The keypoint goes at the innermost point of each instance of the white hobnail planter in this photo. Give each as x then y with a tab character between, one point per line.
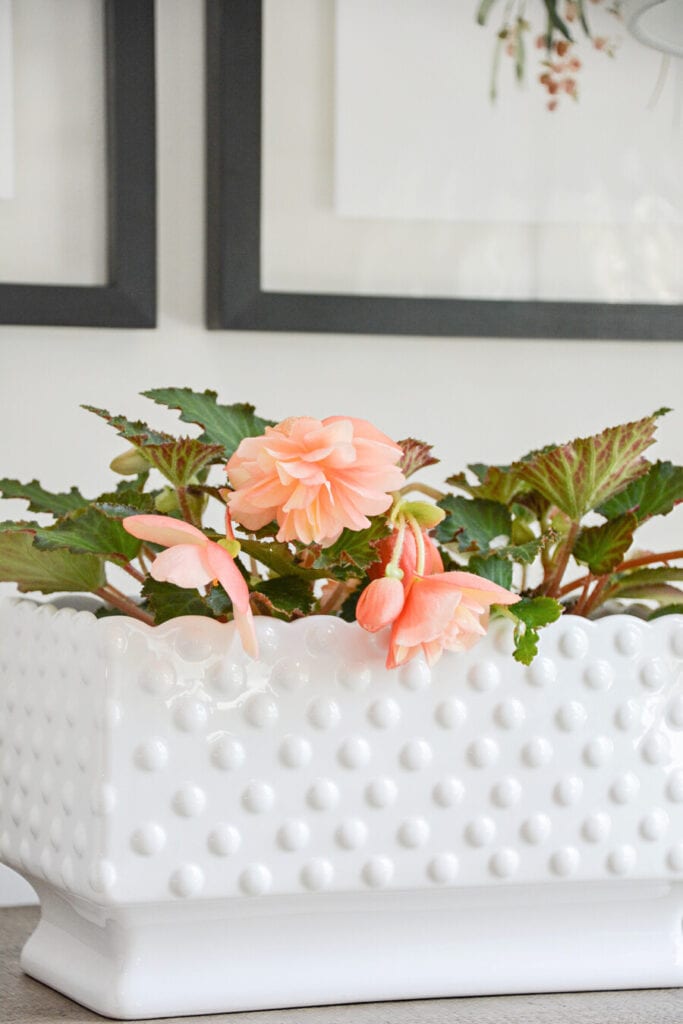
207	833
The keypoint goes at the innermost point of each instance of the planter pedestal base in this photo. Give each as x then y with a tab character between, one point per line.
194	957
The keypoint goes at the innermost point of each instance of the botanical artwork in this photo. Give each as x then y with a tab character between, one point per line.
6	103
330	517
561	31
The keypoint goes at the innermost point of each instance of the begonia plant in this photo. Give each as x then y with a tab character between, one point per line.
328	517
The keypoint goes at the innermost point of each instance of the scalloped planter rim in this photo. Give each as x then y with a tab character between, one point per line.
207	833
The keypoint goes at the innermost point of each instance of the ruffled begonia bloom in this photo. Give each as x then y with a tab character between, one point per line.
192	560
446	610
314	477
408	558
380	603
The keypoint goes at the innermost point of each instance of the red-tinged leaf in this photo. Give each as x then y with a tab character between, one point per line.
135	431
180	461
585	473
495	483
603	547
416	455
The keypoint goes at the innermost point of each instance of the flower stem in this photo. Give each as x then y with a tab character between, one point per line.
431	492
143	554
132	571
398	549
419	544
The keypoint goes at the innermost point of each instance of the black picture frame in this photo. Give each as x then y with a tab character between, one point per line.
235	299
129	297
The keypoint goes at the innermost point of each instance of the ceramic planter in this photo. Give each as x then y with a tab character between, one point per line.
207	833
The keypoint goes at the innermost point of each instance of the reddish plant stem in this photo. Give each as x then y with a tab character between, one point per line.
132	571
337	596
631	563
551	585
581	601
595	596
430	492
143	554
117	600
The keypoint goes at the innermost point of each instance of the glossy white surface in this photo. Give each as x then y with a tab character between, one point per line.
163	787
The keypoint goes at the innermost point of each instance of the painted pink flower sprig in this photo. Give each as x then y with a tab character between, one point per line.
249	517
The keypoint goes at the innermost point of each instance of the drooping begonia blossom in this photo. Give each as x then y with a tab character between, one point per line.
445	610
314	478
193	560
380	603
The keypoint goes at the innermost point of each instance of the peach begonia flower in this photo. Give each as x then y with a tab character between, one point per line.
314	477
192	560
446	610
380	603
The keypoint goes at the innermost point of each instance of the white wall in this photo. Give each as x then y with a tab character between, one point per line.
476	400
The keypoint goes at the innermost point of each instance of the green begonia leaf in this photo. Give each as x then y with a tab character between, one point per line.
355	548
537	611
472	522
225	425
46	571
671	609
653	494
287	597
532	613
90	531
40	500
492	567
603	547
278	557
167	601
